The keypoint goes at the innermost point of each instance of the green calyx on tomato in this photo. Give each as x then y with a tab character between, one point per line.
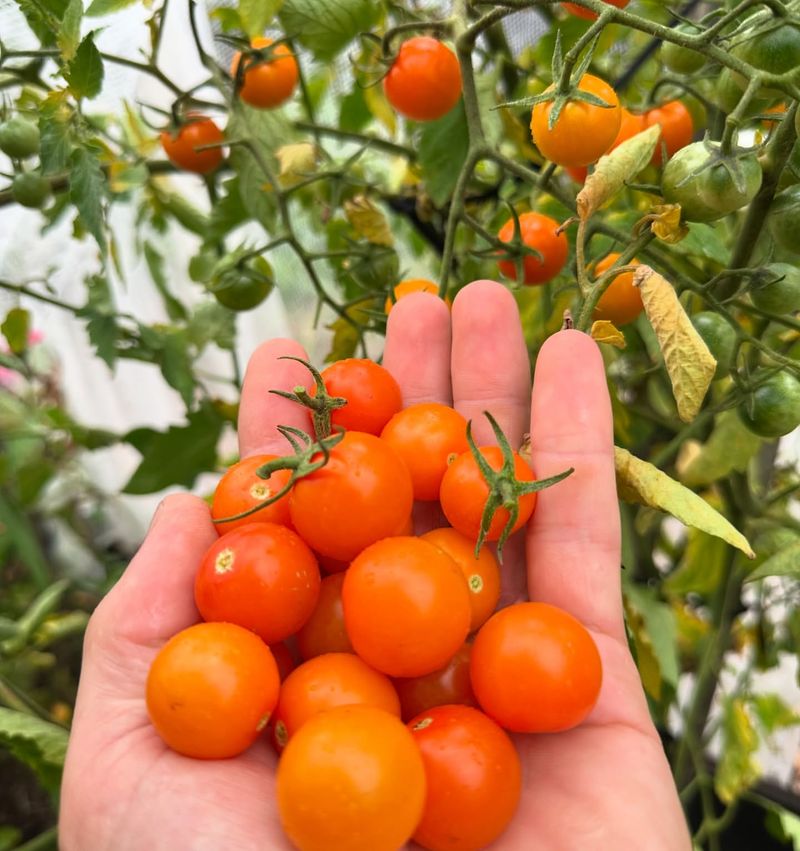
784	219
776	289
719	336
19	138
773	408
680	59
321	404
30	189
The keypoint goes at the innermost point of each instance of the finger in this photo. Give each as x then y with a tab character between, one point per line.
261	412
490	366
574	536
417	349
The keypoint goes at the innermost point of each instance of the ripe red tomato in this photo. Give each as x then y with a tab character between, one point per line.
351	775
583	132
621	303
450	684
411	285
630	124
588	13
240	489
181	145
327	681
427	436
535	669
677	127
464	493
283	659
324	631
473	776
211	689
538	232
361	495
262	577
406	607
424	82
482	574
266	85
373	396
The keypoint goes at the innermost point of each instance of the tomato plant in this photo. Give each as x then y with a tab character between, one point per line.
240	490
19	137
539	233
719	336
773	408
780	291
270	82
183	144
588	13
30	189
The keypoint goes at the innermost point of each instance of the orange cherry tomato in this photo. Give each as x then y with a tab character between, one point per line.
630	124
464	493
538	232
411	285
324	631
406	607
482	573
473	776
621	303
450	684
240	489
211	689
283	659
262	577
588	13
373	395
677	127
181	146
424	82
351	779
583	132
361	495
327	681
535	669
266	85
427	436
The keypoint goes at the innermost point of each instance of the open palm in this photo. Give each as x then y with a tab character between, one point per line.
605	785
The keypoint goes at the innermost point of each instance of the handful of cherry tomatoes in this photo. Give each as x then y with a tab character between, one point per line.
389	685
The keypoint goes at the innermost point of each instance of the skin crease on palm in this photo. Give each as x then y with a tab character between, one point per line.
605	785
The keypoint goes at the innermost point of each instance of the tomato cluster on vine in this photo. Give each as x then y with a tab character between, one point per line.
333	629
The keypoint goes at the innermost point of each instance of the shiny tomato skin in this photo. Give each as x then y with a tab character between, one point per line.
262	577
630	125
351	779
406	607
539	232
588	13
181	146
240	489
473	777
266	85
364	493
427	436
324	631
622	302
373	395
211	689
424	82
677	128
449	685
464	493
411	285
325	682
535	669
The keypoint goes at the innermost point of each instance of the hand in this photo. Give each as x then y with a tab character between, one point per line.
604	785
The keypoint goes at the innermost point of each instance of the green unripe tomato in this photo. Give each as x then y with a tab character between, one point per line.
19	138
680	184
732	184
30	189
243	287
784	219
775	50
726	94
719	336
679	59
781	292
773	409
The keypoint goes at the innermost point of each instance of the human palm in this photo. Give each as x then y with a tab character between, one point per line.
605	785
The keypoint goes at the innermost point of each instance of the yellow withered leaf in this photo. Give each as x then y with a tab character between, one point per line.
615	169
296	161
604	331
368	221
641	482
690	365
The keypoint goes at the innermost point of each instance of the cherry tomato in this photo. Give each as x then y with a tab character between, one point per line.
535	669
464	493
324	631
482	573
262	577
621	303
424	82
588	13
720	338
30	189
450	684
373	396
351	779
211	689
240	489
266	85
283	659
773	408
19	137
406	607
473	776
427	436
677	128
538	232
181	145
630	125
583	132
361	495
327	681
411	285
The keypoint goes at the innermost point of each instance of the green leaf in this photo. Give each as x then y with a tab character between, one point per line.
659	623
729	447
354	114
56	141
212	323
87	186
772	712
16	327
69	33
737	771
701	567
98	8
44	18
325	27
85	72
103	334
9	837
443	146
21	535
41	745
256	14
227	213
786	562
176	365
155	263
703	241
176	456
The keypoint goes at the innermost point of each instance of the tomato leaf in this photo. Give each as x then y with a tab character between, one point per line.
325	27
42	746
15	328
368	221
255	15
785	562
737	770
443	146
85	72
212	323
660	628
155	263
87	185
701	567
69	33
729	447
99	8
55	133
